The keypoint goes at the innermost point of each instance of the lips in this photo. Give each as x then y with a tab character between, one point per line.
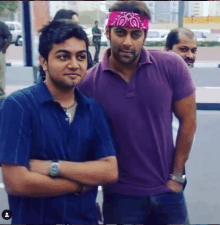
71	74
189	61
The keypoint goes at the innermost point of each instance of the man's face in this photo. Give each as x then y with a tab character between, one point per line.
186	48
126	43
66	65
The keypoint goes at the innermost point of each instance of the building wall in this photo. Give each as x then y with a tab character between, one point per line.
197	8
40	14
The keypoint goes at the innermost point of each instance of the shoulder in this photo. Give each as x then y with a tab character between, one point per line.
19	98
165	57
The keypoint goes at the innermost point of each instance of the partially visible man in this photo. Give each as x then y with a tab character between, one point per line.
54	141
97	34
5	40
67	14
140	89
183	42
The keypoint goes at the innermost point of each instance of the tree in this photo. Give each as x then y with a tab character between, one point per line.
12	6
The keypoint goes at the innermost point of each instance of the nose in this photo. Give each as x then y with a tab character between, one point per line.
127	41
73	63
189	54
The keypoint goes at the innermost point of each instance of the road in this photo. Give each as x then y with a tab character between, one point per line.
212	54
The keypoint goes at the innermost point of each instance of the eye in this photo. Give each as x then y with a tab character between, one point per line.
81	57
63	57
194	50
119	33
136	35
183	49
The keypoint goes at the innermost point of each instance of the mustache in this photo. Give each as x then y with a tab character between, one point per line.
126	49
189	60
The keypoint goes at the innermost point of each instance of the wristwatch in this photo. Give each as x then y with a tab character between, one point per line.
54	170
178	178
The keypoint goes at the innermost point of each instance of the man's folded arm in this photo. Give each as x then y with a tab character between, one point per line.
20	181
97	172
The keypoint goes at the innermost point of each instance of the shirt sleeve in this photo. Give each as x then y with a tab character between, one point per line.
102	139
15	133
181	80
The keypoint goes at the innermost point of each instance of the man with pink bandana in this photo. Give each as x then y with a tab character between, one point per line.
140	90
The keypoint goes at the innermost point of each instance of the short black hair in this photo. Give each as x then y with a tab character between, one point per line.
131	6
64	14
173	36
57	32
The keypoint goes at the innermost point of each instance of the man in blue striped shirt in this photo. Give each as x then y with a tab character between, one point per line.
54	141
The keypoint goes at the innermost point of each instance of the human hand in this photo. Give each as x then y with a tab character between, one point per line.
175	186
86	188
39	166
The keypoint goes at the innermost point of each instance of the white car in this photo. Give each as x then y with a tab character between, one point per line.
200	36
15	30
156	36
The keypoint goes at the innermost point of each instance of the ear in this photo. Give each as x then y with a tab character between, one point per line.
43	63
107	32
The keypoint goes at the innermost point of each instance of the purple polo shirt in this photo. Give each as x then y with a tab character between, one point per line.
141	116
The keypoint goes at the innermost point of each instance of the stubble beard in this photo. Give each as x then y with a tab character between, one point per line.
116	53
59	84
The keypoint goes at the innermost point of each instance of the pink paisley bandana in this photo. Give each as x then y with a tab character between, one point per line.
126	19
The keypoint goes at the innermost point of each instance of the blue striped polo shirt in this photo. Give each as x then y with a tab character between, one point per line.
34	126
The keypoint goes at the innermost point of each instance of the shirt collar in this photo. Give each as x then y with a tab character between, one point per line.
44	96
144	59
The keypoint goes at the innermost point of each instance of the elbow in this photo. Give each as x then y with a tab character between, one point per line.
15	188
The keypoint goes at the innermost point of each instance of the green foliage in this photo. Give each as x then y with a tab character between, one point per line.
9	5
156	44
208	44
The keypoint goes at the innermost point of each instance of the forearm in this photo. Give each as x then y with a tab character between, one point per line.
89	173
38	185
183	145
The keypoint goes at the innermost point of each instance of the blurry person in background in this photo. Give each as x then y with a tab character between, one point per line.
5	40
70	15
183	42
56	147
67	14
97	34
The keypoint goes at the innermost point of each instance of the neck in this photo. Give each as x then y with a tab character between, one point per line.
64	97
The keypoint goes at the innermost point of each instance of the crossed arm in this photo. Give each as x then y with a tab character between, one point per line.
35	182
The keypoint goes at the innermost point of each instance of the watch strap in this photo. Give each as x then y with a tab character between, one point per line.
178	178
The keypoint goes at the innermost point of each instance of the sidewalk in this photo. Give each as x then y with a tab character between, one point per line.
19	77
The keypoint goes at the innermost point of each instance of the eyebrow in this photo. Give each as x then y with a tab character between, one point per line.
187	47
68	52
121	28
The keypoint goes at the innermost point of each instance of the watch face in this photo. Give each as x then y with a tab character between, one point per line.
54	169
